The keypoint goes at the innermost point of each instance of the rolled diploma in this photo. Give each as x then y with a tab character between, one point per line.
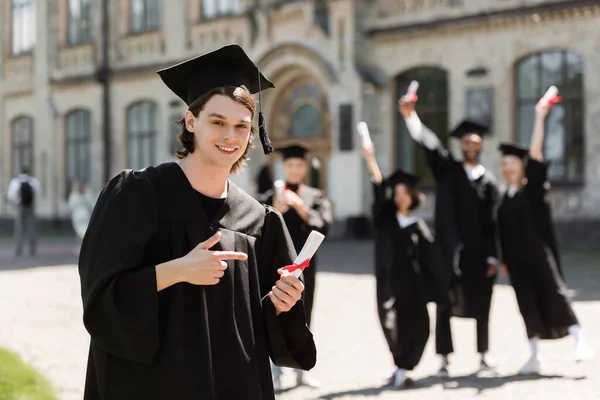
550	93
412	90
308	250
363	132
279	188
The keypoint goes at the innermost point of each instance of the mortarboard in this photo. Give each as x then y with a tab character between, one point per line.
226	66
468	126
401	177
509	149
293	151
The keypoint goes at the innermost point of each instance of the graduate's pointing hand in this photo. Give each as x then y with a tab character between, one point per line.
206	267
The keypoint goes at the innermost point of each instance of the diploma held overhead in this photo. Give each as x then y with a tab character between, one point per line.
363	132
411	93
551	96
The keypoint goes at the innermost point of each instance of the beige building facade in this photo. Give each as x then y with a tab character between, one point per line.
75	109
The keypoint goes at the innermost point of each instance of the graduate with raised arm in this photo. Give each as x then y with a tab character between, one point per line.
466	194
183	292
409	267
527	238
304	209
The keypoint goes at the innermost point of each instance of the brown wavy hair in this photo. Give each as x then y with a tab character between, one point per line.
237	94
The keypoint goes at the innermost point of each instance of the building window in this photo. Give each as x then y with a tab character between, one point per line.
22	144
78	146
145	15
215	8
142	123
564	139
23	26
80	22
306	121
433	112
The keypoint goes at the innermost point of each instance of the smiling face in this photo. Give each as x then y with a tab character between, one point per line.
222	130
513	170
402	197
471	145
295	169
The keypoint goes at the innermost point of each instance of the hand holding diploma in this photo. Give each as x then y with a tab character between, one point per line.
550	98
411	93
288	290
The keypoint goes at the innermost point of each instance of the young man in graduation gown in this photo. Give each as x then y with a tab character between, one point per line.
180	269
409	268
527	237
304	209
466	194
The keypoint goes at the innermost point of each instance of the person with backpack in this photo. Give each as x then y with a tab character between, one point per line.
22	191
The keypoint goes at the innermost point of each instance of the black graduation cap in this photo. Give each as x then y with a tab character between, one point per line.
227	66
293	151
401	177
469	126
510	149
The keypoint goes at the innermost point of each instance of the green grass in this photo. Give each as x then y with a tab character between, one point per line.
19	381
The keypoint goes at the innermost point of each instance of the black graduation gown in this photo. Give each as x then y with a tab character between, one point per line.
186	342
320	217
465	229
409	272
523	224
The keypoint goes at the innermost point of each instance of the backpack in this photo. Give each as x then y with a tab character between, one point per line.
26	194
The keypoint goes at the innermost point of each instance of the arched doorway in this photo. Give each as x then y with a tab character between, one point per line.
301	116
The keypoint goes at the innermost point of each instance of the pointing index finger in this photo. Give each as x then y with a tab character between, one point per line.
230	255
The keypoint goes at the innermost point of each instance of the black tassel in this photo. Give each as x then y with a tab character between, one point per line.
264	138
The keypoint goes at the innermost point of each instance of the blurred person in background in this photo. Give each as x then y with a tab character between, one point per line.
304	209
466	197
529	248
409	267
22	192
81	203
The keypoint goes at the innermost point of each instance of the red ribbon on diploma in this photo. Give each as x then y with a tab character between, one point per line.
293	267
553	100
414	97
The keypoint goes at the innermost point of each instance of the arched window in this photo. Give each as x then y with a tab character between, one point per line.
301	110
22	144
433	112
142	123
564	141
78	145
306	121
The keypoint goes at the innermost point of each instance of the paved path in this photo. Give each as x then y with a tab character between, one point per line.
40	317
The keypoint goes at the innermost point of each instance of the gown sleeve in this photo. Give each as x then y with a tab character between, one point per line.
381	206
489	227
431	262
291	343
320	215
119	292
438	158
537	180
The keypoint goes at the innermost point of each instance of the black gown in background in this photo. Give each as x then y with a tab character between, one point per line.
524	224
187	341
409	272
466	232
320	217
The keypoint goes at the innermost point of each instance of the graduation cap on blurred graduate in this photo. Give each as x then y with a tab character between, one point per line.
227	66
469	127
293	151
510	149
401	177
